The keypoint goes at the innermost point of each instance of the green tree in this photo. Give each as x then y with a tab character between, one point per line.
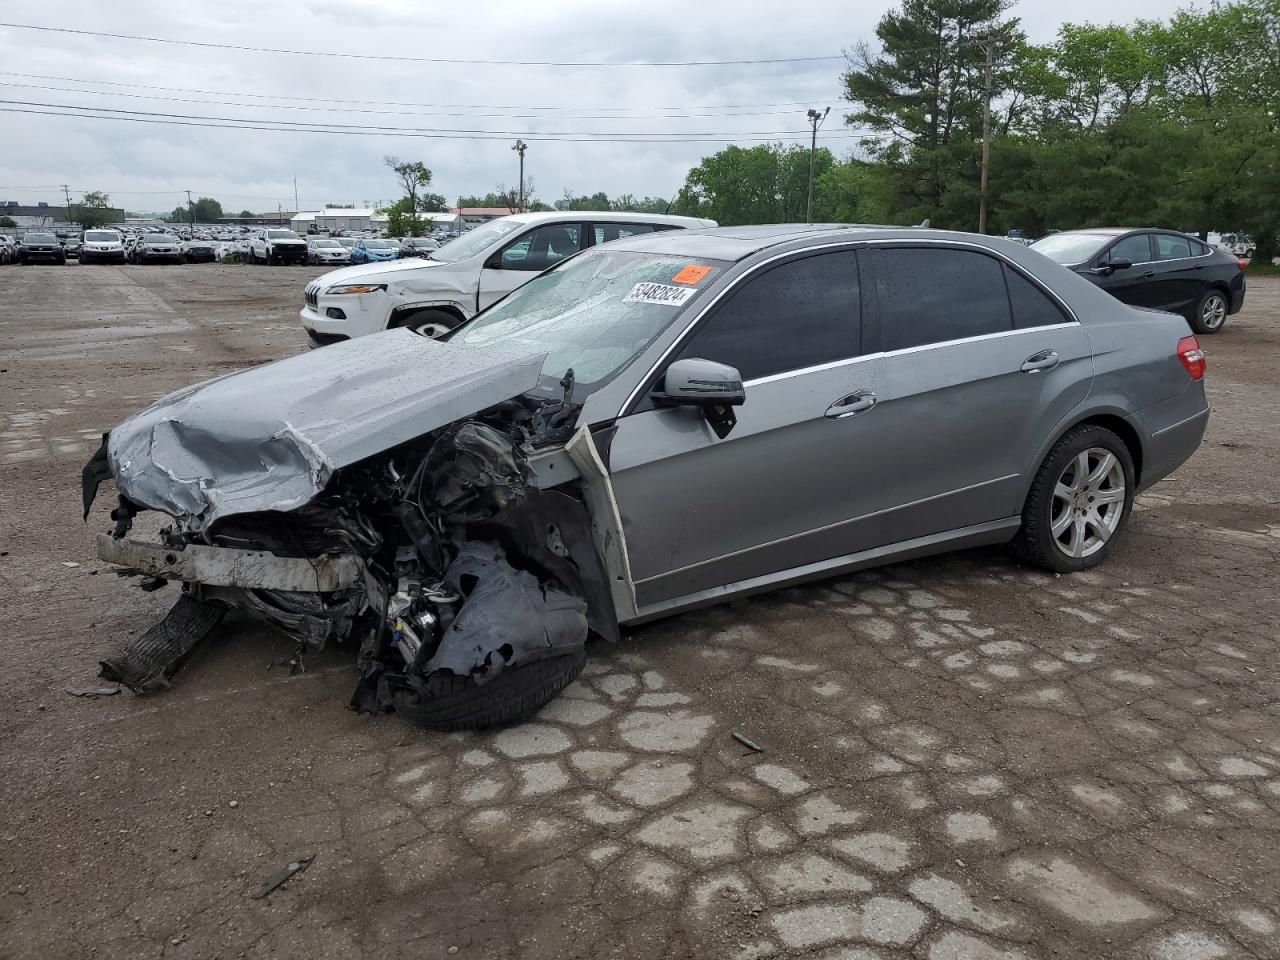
7	222
433	203
768	183
413	177
246	214
93	210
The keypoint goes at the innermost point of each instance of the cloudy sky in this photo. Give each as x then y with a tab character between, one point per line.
148	166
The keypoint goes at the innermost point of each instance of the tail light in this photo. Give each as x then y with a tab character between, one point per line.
1191	357
1243	263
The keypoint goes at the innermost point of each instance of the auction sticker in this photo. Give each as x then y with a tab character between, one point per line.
691	274
659	293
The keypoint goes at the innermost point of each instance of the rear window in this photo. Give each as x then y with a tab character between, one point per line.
1032	307
1172	248
933	295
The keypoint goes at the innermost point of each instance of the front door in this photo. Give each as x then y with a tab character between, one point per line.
1132	284
784	488
524	258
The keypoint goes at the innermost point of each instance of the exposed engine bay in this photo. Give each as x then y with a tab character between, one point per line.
465	563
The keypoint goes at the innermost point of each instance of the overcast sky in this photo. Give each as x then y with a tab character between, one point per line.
148	167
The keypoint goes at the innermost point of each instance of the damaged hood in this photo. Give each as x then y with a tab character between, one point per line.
270	437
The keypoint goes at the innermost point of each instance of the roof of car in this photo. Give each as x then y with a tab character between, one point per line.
610	216
1117	231
737	243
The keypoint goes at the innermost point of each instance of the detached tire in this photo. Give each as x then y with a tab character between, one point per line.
517	693
1079	502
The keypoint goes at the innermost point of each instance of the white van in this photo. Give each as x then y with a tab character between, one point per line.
465	275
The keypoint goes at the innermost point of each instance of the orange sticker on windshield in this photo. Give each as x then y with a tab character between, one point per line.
690	274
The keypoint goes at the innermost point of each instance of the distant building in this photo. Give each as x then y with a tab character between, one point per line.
44	215
474	215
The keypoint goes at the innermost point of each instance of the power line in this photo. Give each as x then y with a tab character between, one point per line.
441	60
398	132
478	133
400	113
391	103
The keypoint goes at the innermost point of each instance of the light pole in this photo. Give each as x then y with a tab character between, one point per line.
987	42
520	148
815	121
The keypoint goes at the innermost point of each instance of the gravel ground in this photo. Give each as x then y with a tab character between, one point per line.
965	759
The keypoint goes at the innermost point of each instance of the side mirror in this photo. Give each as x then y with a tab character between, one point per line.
1119	263
714	388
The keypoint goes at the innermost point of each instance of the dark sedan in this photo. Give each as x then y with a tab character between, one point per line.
1162	269
35	247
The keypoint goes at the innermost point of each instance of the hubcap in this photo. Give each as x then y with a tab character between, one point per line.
1088	502
1214	312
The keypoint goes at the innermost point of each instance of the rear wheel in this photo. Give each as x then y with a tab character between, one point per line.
1211	312
1079	501
451	702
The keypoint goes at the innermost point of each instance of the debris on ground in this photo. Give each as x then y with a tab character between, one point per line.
93	693
278	880
748	743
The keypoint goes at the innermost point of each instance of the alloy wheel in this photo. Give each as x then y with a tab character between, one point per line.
1088	502
1214	311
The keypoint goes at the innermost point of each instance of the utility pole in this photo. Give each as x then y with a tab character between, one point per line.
519	148
815	121
296	208
986	135
191	212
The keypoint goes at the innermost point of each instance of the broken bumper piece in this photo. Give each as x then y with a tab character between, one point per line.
149	661
228	567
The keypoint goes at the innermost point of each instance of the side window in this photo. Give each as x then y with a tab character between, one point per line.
795	315
604	232
1136	249
928	295
542	247
1199	249
1172	248
1031	305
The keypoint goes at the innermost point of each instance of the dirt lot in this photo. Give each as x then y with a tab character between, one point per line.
966	760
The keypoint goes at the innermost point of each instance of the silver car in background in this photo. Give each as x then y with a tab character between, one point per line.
655	424
322	250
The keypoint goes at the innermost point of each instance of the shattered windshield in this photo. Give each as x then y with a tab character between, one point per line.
596	313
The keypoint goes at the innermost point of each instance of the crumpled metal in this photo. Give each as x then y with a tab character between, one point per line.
269	438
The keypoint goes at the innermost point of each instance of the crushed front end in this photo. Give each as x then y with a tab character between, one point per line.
461	559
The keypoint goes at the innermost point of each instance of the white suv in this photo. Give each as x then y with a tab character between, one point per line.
464	276
105	246
277	246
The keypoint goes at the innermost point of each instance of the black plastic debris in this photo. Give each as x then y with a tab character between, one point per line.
150	660
281	877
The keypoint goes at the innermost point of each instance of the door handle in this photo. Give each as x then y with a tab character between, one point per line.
1039	362
1148	275
857	402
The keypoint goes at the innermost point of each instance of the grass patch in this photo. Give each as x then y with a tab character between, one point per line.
1262	270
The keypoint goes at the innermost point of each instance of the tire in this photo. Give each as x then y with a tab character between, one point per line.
517	693
428	323
1045	505
1210	314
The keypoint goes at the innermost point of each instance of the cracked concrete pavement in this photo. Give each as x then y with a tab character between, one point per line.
964	759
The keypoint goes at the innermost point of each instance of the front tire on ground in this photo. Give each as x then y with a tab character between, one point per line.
1211	312
1079	502
517	693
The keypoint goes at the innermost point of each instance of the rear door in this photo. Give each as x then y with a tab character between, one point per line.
1179	268
784	488
605	232
980	364
523	258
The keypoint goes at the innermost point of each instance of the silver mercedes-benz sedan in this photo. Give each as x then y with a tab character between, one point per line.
654	424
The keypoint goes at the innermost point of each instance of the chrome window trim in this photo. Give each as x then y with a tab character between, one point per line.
853	245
